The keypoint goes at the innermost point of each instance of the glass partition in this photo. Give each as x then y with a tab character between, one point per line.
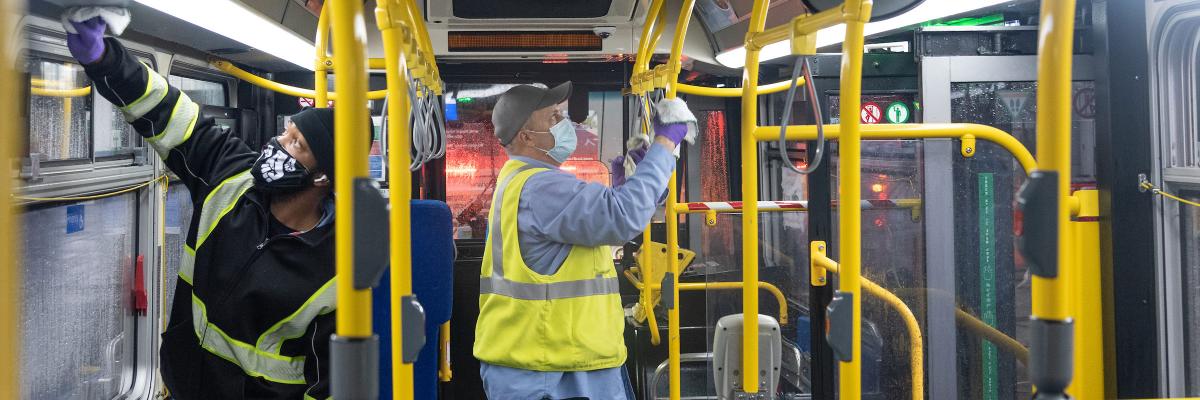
60	124
76	308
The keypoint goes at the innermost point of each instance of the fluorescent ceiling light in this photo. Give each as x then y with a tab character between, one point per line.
236	21
927	11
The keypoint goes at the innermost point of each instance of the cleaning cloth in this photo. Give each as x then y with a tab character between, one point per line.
116	18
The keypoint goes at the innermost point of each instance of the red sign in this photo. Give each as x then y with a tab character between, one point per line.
307	102
870	113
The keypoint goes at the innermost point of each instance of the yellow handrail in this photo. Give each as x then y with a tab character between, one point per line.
1052	284
229	68
749	177
704	286
911	131
993	335
76	92
354	305
444	371
915	342
389	16
735	92
323	62
10	225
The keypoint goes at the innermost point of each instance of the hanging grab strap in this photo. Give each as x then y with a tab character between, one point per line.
802	61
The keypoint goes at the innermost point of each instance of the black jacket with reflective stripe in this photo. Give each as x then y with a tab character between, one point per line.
253	317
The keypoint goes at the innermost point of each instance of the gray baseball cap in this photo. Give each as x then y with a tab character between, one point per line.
517	104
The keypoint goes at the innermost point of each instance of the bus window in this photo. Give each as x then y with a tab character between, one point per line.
77	317
203	92
60	128
114	137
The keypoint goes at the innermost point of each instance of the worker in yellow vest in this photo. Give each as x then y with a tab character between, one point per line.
550	319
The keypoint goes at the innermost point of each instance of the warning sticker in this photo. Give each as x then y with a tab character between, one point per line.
897	112
870	113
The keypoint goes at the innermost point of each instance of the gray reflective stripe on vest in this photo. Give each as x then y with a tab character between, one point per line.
187	264
179	126
253	362
497	243
548	291
220	201
324	301
156	90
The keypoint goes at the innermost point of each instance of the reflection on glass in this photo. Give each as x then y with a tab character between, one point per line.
114	136
200	91
178	215
78	268
59	127
1189	230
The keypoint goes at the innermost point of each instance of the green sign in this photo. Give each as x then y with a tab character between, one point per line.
897	113
987	280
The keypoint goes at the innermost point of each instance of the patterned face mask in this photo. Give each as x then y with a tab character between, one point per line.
276	171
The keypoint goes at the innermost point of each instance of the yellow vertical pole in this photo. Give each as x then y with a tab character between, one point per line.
349	37
1051	353
321	70
749	178
649	36
1054	138
856	14
1087	300
685	16
10	245
387	14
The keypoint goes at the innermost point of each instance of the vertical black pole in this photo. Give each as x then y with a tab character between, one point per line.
820	227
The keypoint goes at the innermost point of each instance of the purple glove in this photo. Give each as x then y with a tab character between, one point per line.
87	46
674	132
617	166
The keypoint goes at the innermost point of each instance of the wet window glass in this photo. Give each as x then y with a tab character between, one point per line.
76	315
60	107
201	91
178	215
114	137
1189	230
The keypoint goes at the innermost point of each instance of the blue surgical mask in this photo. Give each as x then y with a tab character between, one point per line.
564	141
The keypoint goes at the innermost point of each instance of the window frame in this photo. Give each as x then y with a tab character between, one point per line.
79	176
191	68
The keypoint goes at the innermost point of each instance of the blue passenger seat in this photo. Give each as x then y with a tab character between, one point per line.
433	283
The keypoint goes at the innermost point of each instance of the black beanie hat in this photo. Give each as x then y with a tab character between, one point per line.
316	124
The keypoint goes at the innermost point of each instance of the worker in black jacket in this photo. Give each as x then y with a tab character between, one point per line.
254	307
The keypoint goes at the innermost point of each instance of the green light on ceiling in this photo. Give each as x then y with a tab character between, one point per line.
991	19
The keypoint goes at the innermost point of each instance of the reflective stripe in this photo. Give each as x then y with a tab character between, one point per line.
156	90
494	220
187	264
322	302
179	127
220	201
548	291
272	367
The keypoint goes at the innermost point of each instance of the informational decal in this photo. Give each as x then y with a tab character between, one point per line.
74	218
897	113
870	113
987	280
1014	102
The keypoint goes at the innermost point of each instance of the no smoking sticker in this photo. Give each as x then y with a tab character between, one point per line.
897	113
870	113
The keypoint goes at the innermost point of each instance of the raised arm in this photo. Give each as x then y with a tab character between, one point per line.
202	154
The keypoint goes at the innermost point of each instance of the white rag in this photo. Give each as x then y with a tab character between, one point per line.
116	18
637	141
675	111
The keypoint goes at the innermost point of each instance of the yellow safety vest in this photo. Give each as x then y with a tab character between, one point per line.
569	321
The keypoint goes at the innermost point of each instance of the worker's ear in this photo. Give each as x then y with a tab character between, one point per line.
321	181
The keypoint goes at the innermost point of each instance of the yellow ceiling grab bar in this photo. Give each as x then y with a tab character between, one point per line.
734	92
229	68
